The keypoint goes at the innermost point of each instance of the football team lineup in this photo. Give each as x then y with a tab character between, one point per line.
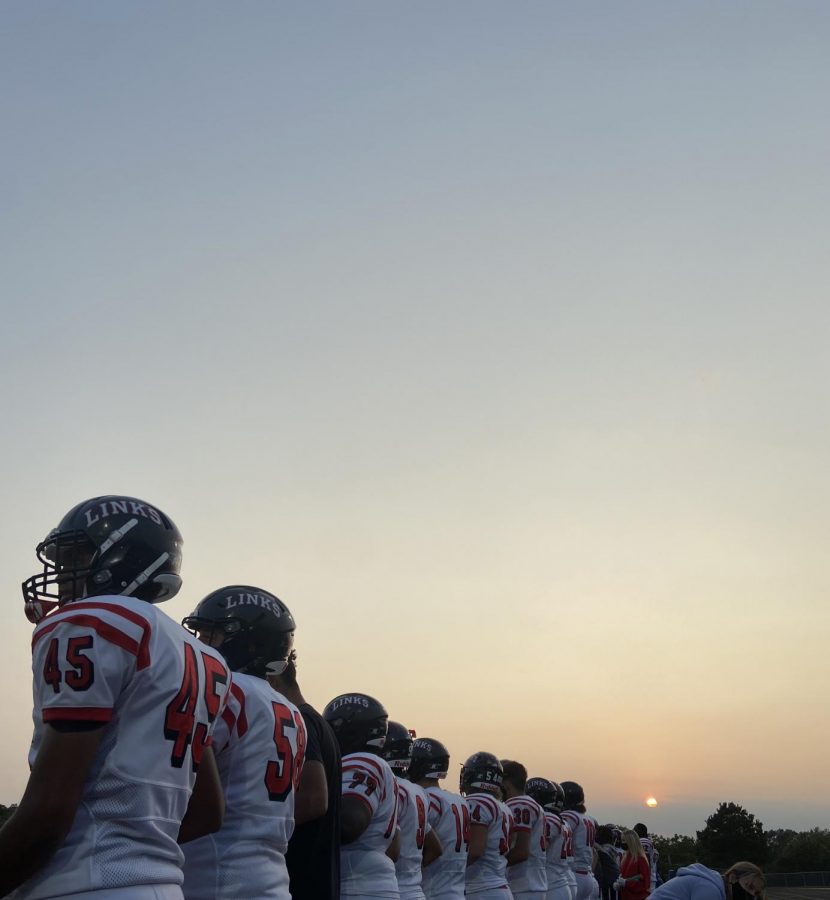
346	804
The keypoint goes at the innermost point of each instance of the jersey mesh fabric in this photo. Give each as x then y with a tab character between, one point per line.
444	879
412	820
490	869
583	828
556	860
365	869
246	857
530	874
140	665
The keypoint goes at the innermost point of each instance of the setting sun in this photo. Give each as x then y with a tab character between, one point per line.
651	802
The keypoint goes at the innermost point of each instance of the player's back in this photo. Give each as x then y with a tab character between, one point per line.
158	691
490	869
365	869
529	875
583	827
259	745
556	859
445	878
412	819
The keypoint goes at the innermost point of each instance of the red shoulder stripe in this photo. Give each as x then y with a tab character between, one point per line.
103	629
368	761
242	718
143	646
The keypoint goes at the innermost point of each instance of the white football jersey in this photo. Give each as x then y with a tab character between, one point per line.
529	817
260	746
160	692
558	835
365	869
490	869
412	819
568	850
450	820
583	828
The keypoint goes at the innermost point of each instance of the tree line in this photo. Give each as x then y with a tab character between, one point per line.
732	833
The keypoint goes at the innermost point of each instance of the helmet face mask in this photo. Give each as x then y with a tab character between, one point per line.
107	545
249	626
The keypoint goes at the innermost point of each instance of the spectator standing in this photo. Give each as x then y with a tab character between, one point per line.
606	869
634	882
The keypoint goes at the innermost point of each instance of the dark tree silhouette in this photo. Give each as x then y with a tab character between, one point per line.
731	834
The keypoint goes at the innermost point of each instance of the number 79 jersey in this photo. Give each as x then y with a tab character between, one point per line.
259	744
158	692
365	869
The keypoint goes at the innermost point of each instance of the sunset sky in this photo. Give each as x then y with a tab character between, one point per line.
492	337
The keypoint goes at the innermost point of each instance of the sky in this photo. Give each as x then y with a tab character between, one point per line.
491	337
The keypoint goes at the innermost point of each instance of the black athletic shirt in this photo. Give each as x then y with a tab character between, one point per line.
313	855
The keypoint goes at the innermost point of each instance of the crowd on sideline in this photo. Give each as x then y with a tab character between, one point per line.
176	761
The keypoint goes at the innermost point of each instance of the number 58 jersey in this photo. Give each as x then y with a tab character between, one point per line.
259	744
158	693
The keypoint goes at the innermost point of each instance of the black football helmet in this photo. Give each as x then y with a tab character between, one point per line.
359	721
430	759
397	750
106	545
256	627
559	799
483	771
574	795
542	791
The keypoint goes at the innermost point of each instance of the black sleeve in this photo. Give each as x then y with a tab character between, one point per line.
313	750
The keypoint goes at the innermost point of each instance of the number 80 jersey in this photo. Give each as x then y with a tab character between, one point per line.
158	693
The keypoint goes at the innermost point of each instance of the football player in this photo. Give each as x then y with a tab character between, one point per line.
490	832
526	859
445	878
549	795
259	746
419	846
583	828
125	706
369	833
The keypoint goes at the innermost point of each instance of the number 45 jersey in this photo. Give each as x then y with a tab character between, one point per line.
158	693
259	744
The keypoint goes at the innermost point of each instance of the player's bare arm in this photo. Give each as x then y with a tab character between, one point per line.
312	798
393	851
355	818
206	807
478	842
432	848
520	851
41	822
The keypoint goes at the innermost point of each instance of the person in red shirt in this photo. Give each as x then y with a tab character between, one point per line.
634	882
